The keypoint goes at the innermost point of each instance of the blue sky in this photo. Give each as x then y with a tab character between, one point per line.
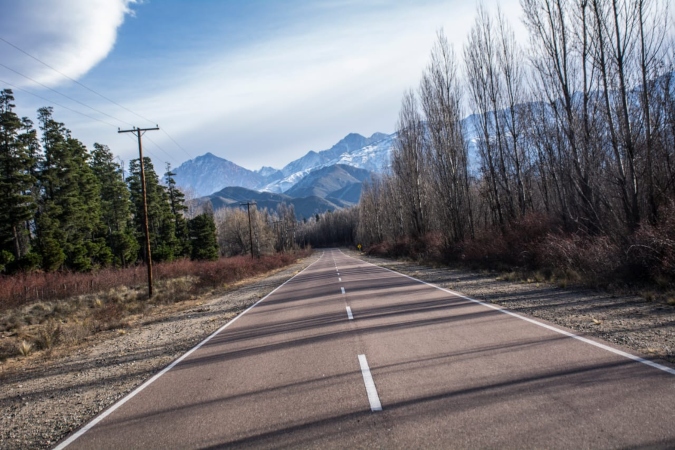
253	81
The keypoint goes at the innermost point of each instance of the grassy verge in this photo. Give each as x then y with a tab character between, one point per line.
89	304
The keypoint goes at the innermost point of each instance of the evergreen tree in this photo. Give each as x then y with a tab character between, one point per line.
203	236
163	240
69	227
115	206
16	183
178	208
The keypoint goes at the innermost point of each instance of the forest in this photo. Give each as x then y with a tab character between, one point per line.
63	207
572	169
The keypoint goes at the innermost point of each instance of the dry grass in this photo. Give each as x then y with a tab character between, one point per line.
29	325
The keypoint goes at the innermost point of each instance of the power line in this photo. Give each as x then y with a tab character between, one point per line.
83	104
177	144
157	145
57	104
74	80
64	95
146	150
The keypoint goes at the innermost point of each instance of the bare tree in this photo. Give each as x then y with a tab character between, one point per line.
448	155
409	165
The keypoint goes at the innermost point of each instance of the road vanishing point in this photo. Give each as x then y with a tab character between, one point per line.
351	355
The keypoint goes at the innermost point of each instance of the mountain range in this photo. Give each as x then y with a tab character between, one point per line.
315	183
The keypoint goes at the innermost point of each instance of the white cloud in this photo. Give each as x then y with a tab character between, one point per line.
69	35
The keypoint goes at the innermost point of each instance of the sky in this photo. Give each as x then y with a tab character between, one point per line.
257	82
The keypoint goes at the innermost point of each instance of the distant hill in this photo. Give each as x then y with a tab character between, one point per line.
341	184
305	207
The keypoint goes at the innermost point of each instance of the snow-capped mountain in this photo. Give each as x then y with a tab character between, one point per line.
208	173
372	154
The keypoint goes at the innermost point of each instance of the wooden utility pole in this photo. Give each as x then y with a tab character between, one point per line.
148	260
250	229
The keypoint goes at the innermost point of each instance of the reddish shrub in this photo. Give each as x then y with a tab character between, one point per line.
595	259
652	247
35	286
519	244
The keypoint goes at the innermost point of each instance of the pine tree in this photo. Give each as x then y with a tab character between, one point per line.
178	208
69	227
16	183
203	236
115	206
163	240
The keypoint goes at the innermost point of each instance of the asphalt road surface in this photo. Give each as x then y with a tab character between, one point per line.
351	355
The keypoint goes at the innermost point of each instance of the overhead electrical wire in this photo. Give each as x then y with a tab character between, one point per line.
146	150
57	104
66	96
177	144
90	90
158	146
74	80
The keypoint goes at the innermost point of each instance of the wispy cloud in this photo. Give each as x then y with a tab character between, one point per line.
70	35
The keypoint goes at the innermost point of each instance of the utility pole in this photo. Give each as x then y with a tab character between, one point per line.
250	229
148	261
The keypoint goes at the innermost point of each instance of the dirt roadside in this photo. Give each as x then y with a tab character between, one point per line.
43	399
638	326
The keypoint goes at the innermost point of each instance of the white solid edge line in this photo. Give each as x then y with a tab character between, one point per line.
349	313
343	290
373	398
535	322
133	393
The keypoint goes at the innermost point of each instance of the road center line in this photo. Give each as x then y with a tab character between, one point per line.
339	279
373	398
349	313
343	290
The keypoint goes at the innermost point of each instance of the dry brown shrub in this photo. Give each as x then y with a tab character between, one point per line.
591	259
652	249
48	335
8	348
517	246
109	316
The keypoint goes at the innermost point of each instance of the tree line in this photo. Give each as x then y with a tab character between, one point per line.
575	132
64	207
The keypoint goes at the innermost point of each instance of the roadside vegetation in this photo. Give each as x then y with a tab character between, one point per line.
84	305
571	176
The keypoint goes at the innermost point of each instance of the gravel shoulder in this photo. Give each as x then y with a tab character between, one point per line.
43	399
629	322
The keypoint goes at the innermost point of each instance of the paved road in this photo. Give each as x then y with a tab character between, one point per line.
350	355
